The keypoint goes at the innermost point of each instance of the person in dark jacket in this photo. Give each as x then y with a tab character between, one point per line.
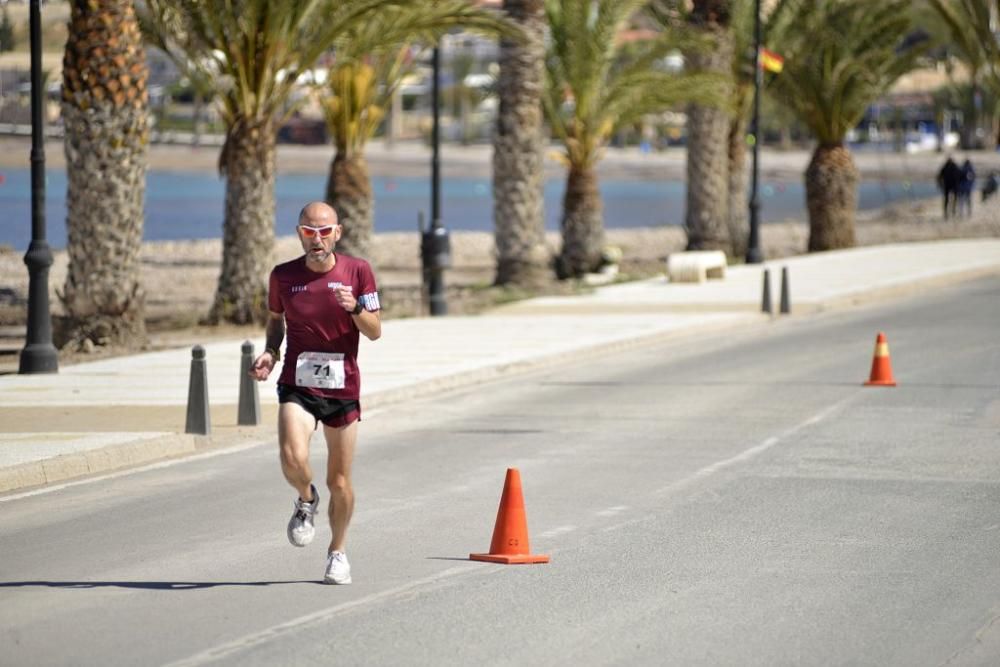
990	186
948	179
966	184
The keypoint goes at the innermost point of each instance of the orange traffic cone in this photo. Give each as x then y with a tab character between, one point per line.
881	375
510	535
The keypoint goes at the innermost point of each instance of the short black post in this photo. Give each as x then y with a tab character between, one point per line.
765	304
198	420
786	304
249	404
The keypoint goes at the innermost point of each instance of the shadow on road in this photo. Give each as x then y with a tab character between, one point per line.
150	585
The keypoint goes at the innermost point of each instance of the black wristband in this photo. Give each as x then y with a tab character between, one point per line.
274	353
357	308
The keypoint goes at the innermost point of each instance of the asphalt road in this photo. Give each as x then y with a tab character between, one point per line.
733	500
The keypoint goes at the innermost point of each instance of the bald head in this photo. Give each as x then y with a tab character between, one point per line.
317	214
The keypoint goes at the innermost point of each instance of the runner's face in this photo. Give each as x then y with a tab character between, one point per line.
318	236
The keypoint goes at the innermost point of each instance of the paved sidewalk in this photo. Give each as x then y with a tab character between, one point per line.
115	413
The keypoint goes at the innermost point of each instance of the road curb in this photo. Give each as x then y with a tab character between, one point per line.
103	459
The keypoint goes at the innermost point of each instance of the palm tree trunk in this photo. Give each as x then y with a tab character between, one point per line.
831	197
582	224
349	191
738	213
248	161
523	259
106	120
706	218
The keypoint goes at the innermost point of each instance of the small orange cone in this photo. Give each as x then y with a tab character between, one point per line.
510	535
881	375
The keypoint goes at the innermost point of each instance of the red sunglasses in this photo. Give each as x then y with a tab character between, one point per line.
322	232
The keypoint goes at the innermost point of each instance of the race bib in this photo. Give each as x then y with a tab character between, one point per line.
323	370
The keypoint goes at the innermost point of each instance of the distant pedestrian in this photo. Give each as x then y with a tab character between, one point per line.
966	185
990	185
327	300
947	180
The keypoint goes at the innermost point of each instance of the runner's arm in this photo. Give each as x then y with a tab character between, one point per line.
274	332
274	335
369	322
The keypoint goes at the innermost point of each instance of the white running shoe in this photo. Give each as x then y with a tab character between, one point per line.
300	527
338	570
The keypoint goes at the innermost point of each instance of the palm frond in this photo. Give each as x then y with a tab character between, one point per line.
373	56
969	31
839	57
596	83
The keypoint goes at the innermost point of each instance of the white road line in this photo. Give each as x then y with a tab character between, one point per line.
296	625
750	453
558	530
611	511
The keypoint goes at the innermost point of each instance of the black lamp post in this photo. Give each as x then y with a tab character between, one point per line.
436	138
754	254
39	354
436	248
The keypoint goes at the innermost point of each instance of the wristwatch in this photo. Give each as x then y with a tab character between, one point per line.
357	308
275	354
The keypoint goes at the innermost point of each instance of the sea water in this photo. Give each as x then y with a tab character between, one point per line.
189	205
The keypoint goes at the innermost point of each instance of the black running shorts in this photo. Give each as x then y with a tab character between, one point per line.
334	412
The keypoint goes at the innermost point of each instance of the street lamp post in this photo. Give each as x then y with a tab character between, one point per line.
754	254
435	244
39	354
436	138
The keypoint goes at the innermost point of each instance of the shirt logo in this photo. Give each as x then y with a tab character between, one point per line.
299	288
335	284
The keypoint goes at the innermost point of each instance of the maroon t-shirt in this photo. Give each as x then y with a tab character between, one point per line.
315	322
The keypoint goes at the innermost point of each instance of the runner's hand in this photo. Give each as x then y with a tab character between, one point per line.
345	298
262	366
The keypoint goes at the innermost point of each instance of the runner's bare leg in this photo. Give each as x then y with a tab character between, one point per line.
295	427
340	444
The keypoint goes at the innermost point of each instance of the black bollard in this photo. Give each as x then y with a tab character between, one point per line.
249	405
765	303
786	304
198	420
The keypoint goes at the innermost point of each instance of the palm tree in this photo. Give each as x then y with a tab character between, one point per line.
372	58
523	259
839	57
970	28
737	214
254	52
597	82
708	128
738	18
105	115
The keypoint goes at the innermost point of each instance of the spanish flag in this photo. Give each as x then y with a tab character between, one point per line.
770	60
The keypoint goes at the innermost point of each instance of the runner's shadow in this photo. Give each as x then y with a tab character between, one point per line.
149	585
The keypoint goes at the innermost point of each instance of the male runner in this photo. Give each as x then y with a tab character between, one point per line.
325	299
